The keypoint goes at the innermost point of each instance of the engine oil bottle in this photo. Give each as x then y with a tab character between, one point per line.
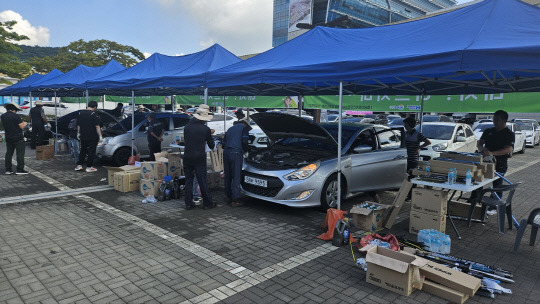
341	233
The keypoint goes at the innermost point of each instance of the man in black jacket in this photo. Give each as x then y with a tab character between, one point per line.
89	132
196	136
38	119
13	125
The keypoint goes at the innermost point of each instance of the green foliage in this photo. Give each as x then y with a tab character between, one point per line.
92	53
29	52
9	63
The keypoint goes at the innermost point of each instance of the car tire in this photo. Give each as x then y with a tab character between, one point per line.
538	142
523	149
329	193
121	156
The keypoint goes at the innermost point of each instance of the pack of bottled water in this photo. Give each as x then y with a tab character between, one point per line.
434	241
371	206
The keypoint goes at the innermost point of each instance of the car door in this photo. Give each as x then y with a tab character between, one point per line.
459	146
141	139
470	139
168	135
519	142
362	163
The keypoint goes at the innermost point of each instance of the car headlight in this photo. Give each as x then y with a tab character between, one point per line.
262	140
439	147
105	141
302	173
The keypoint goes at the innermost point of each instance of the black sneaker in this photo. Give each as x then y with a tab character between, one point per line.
9	172
21	172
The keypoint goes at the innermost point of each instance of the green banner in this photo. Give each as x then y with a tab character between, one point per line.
270	102
122	99
465	103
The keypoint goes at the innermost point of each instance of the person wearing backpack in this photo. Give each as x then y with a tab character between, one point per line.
89	133
74	145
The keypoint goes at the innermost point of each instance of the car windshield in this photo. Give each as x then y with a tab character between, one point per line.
332	117
483	127
525	126
430	119
397	121
346	131
442	132
126	123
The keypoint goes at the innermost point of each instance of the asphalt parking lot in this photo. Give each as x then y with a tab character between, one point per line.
65	237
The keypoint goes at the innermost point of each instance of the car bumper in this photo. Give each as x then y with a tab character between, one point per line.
281	191
529	141
104	152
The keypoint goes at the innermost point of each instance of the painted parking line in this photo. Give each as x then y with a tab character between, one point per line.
51	194
527	165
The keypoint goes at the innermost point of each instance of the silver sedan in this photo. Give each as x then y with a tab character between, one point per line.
299	168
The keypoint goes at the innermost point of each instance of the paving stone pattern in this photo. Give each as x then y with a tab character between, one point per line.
107	246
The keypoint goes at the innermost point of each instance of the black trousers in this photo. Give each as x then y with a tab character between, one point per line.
155	147
200	171
10	148
37	137
88	152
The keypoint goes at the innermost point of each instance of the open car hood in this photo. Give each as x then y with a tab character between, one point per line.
280	125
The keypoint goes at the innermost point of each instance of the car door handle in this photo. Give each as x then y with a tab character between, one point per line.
399	157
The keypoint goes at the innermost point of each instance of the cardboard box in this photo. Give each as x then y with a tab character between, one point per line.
127	181
392	270
444	292
461	209
45	152
175	166
490	170
368	219
429	201
463	156
112	170
419	221
153	170
451	278
149	187
398	202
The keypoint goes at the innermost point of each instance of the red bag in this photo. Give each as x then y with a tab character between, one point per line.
389	238
133	158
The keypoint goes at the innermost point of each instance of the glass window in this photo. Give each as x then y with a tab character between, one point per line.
469	132
460	132
389	140
365	138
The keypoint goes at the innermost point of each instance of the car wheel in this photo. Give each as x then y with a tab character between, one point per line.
121	156
537	141
523	149
329	194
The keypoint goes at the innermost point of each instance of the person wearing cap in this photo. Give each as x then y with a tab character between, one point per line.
38	120
155	131
141	109
196	136
239	114
14	126
235	144
89	133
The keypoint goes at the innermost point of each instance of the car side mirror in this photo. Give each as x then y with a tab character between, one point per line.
362	149
460	139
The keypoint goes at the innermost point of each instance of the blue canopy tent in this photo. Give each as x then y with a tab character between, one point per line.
12	89
488	47
165	75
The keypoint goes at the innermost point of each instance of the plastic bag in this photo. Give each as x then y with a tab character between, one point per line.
389	238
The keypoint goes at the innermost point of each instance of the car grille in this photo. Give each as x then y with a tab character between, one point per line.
274	185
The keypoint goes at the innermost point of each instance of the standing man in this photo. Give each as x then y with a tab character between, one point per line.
497	142
118	111
235	144
38	119
89	133
13	126
414	141
196	136
155	133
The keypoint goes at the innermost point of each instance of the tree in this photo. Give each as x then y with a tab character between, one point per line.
91	53
9	64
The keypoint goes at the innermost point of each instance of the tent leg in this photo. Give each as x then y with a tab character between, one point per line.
339	147
205	96
422	109
55	122
132	123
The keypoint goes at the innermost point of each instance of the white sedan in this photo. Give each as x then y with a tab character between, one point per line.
519	143
447	136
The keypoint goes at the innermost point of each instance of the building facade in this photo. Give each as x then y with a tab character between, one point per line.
288	14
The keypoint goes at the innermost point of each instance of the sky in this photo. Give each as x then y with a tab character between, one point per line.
170	27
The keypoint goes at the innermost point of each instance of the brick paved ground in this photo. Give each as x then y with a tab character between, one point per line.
107	246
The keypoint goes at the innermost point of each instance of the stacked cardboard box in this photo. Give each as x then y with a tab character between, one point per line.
152	174
175	166
463	162
428	210
125	178
45	152
369	219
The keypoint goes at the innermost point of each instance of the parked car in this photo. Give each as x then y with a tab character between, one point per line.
257	138
377	118
221	123
519	142
532	134
49	108
116	145
299	168
395	123
536	126
392	117
436	118
447	136
476	123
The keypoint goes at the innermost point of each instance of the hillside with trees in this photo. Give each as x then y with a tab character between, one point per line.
27	52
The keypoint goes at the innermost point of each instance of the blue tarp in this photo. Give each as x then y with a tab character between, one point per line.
12	89
163	75
72	83
490	46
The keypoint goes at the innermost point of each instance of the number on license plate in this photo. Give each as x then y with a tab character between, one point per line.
255	181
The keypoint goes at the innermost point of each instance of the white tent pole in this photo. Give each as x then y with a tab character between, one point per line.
205	96
339	147
86	98
132	123
422	109
225	115
55	121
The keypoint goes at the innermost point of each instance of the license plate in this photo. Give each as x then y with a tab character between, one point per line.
255	181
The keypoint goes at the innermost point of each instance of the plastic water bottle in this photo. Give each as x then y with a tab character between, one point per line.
422	236
454	176
468	178
428	170
450	176
446	244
